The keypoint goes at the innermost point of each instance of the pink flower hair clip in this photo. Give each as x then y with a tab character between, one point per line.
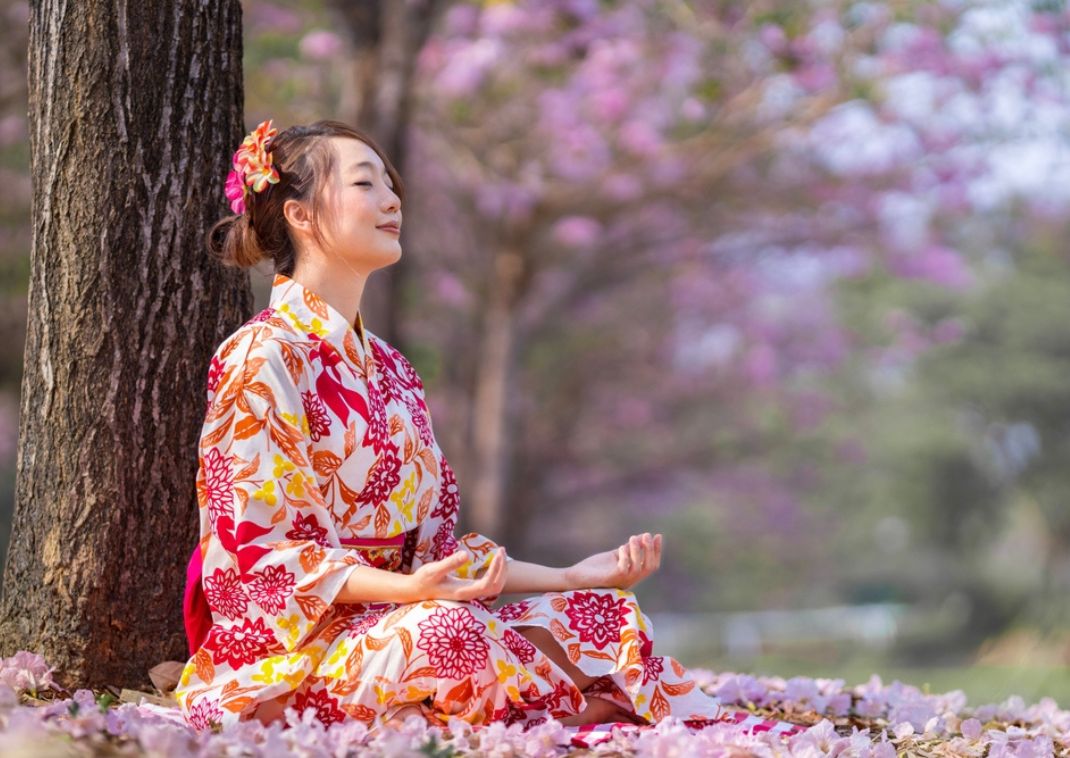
252	166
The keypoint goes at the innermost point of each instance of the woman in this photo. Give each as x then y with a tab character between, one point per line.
328	575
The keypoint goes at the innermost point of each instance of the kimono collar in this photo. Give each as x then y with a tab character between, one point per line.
312	314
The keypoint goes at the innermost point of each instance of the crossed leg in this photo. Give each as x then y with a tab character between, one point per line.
598	710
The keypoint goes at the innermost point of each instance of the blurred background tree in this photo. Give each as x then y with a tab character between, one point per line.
781	279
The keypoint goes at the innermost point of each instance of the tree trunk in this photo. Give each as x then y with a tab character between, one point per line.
491	450
134	112
388	37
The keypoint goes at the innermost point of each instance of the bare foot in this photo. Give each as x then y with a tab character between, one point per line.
397	719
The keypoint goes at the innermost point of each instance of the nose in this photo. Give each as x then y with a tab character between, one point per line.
392	202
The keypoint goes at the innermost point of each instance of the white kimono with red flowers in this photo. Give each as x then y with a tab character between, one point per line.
317	455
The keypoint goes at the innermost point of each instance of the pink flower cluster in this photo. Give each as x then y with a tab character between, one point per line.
901	719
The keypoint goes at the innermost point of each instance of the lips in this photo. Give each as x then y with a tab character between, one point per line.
389	228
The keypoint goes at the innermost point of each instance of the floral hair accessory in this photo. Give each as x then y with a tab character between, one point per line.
252	166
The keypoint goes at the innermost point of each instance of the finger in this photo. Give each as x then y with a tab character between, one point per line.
635	550
450	563
624	561
657	551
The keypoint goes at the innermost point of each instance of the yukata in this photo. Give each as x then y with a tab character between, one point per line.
317	456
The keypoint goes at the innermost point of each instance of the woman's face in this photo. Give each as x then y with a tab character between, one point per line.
362	198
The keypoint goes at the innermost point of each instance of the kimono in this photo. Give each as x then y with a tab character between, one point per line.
317	456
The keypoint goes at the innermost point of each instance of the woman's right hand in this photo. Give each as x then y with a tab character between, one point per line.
436	581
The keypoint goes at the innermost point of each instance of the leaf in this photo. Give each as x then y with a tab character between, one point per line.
261	390
248	427
359	712
559	604
560	631
422	671
249	470
325	462
311	606
678	669
382	520
251	368
214	437
410	448
574	652
461	693
406	641
315	303
350	346
205	669
603	656
429	460
354	662
681	688
293	362
376	643
238	704
311	556
350	438
287	438
425	506
278	515
659	706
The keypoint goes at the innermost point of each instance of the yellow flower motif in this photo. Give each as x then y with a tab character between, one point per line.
382	695
492	625
187	672
266	493
514	693
282	465
506	671
298	422
291	669
292	626
404	497
338	657
640	699
296	487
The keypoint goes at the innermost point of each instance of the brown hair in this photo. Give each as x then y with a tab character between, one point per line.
304	160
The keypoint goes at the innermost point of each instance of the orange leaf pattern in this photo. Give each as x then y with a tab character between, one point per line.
317	434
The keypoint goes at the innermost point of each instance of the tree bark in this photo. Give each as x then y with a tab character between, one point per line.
388	37
134	111
491	448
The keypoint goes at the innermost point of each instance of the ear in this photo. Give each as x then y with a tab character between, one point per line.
297	216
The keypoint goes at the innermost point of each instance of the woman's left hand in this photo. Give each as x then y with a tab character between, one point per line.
623	567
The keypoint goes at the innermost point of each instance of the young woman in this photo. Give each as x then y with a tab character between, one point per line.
328	575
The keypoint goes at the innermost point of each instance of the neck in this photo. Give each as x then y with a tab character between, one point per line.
341	289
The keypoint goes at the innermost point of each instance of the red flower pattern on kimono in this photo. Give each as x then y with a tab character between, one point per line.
378	434
291	503
224	593
454	641
319	422
308	528
215	373
513	611
245	644
383	478
597	617
204	715
325	706
520	647
219	485
270	588
448	494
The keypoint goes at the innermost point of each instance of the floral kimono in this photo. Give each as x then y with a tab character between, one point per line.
317	456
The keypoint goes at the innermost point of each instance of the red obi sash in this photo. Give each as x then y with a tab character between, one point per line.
388	553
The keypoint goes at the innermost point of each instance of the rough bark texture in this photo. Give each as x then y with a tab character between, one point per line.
135	109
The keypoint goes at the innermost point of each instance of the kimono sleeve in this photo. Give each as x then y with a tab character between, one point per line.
273	560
